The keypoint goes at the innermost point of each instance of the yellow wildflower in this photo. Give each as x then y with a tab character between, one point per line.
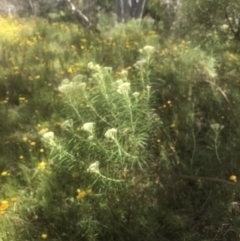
21	157
24	139
33	143
4	206
233	178
42	165
13	199
70	70
44	236
21	98
41	150
4	173
81	194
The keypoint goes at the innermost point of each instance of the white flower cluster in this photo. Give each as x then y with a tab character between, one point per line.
67	87
111	134
124	88
95	67
89	126
48	138
98	68
94	168
147	50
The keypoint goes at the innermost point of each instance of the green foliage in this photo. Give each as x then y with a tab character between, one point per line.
122	135
199	19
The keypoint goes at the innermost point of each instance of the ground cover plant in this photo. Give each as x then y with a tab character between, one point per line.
121	135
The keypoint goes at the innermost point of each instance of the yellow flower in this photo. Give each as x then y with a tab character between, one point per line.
24	139
70	70
44	236
41	150
4	206
42	165
13	199
21	98
21	157
81	194
4	173
33	143
233	178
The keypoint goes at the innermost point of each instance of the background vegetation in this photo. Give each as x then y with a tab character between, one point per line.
120	131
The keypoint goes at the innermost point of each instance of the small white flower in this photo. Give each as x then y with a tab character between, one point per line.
136	94
111	133
67	124
90	65
140	63
124	73
93	66
148	87
124	88
216	127
48	136
64	88
148	49
88	127
224	27
94	168
97	67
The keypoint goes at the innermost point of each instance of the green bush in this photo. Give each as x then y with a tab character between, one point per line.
119	136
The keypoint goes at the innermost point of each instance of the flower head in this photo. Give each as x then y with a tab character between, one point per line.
48	136
124	73
136	94
216	127
233	178
81	194
67	87
111	133
42	165
88	127
124	88
94	67
94	168
4	173
3	206
44	236
148	49
140	63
